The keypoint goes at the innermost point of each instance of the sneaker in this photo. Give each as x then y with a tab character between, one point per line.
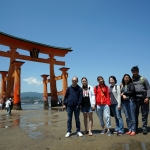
119	133
115	132
103	132
144	131
68	134
79	134
109	133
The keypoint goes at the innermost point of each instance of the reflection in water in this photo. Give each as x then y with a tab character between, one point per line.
28	121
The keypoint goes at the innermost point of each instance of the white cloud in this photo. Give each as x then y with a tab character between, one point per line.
33	81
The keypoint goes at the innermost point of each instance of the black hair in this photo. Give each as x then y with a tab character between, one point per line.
84	78
135	68
130	79
114	78
102	78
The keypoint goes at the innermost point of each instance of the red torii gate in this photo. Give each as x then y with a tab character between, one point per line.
12	76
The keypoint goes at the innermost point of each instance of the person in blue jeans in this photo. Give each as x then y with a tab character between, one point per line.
72	103
115	97
128	103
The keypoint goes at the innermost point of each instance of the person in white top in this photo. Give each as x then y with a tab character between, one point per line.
87	105
115	97
8	106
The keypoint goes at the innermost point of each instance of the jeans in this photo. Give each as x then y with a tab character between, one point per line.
129	109
103	110
9	110
144	111
118	118
70	110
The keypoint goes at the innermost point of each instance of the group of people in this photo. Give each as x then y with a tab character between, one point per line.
132	94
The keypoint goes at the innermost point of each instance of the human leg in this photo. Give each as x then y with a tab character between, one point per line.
144	110
77	120
100	115
85	116
90	115
119	120
126	109
112	107
69	122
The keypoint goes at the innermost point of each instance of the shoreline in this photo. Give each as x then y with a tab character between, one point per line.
46	129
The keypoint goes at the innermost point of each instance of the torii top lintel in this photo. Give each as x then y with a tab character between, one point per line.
12	41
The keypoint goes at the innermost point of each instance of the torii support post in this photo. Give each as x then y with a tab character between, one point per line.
17	73
3	83
45	95
54	97
64	79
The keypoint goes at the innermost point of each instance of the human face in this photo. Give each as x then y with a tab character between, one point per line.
112	81
84	82
101	81
135	73
74	81
126	79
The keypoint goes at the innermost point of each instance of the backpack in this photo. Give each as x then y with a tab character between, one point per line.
143	81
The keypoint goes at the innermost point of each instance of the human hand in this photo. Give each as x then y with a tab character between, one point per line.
63	107
124	97
122	94
119	107
146	100
93	107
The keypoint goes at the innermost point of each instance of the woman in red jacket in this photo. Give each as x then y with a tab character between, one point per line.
102	104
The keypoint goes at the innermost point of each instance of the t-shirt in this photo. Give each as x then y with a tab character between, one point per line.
85	98
8	103
112	98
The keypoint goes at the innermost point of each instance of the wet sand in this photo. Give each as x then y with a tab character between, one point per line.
46	129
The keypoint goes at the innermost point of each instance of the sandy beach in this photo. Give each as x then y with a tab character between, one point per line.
46	129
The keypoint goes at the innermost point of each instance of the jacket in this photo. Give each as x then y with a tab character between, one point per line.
91	95
142	89
73	96
102	95
130	93
116	92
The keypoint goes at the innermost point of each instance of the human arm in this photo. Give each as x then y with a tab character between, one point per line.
80	96
130	91
119	97
92	98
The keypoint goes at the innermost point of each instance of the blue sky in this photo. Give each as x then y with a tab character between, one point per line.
107	37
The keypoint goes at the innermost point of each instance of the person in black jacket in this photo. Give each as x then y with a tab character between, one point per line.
72	102
128	103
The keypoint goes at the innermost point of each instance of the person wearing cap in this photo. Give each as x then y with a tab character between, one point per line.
142	91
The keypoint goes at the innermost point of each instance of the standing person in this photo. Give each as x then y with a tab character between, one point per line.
8	106
128	103
87	105
115	97
102	104
72	102
142	89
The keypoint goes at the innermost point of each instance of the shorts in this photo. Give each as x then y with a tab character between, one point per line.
86	109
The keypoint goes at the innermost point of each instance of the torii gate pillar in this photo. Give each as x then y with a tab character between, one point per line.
45	94
3	82
64	79
17	74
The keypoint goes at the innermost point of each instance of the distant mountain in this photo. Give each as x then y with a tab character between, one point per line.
34	95
31	94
